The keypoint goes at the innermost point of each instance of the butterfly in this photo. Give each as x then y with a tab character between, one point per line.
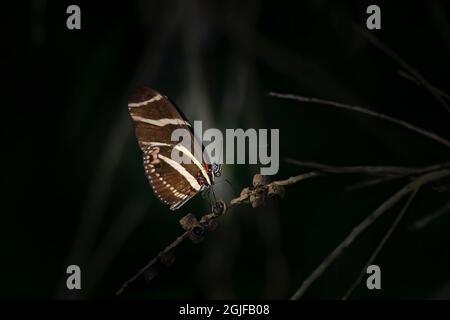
155	117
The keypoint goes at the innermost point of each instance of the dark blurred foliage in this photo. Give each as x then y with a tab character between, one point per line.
73	188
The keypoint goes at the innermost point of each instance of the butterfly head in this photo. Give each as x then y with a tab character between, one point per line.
214	171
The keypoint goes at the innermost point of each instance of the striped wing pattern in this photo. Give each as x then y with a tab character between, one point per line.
171	184
155	117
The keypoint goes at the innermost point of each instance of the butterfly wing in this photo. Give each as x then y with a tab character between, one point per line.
173	183
155	117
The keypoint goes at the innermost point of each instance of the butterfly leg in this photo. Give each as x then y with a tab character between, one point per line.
208	192
214	195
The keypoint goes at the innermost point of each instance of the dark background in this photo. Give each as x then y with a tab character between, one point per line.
73	189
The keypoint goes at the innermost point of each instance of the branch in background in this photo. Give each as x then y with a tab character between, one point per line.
368	170
426	175
389	52
368	221
402	123
384	173
381	244
411	78
256	195
165	257
371	182
425	221
195	229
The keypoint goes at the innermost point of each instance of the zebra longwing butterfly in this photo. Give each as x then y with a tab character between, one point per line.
155	117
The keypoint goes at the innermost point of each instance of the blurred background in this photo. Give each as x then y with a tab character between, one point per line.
73	189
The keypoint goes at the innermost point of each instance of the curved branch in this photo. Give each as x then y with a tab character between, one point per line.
369	170
390	53
383	116
381	245
426	220
368	221
255	196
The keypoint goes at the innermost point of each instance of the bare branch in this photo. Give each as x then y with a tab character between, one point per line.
152	262
411	78
389	52
366	170
402	123
381	244
414	172
371	182
368	221
255	195
383	173
425	221
295	179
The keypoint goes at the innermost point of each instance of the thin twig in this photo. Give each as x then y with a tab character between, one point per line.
368	170
414	172
389	52
255	196
295	179
411	78
423	222
383	171
381	244
153	261
389	203
371	182
402	123
386	173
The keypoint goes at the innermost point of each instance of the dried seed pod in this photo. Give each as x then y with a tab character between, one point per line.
206	218
219	208
167	258
212	225
197	233
150	274
243	197
245	192
275	190
256	199
260	180
209	222
188	222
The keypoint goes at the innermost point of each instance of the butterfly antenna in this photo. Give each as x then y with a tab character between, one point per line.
208	192
214	195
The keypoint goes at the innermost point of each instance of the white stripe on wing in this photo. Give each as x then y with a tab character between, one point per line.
143	103
192	181
160	122
188	153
